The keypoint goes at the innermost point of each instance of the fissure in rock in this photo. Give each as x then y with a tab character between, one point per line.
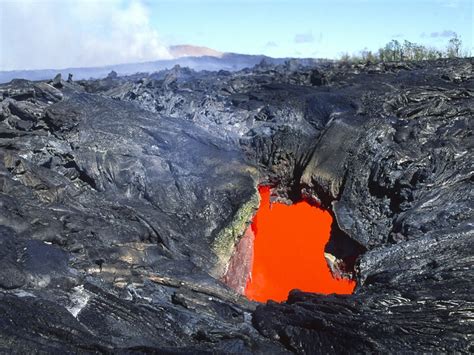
286	247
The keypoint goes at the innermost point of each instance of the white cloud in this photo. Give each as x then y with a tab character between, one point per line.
271	44
450	3
445	33
304	37
40	34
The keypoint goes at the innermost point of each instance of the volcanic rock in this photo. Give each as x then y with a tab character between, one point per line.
122	201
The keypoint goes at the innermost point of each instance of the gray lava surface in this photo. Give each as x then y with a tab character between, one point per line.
122	201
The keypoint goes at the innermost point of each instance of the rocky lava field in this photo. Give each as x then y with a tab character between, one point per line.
122	201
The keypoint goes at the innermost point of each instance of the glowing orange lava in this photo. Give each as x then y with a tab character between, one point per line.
289	251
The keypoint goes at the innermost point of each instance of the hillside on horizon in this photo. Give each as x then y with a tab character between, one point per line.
193	57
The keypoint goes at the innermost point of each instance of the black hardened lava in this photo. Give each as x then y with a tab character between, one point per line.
121	200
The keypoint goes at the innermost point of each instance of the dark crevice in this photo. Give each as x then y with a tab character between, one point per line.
83	176
296	192
399	195
341	246
345	250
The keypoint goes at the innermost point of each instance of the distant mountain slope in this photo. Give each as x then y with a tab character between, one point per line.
187	50
207	59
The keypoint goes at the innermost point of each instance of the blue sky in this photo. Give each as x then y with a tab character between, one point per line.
310	27
38	34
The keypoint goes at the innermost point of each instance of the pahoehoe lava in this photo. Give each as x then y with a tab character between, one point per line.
122	201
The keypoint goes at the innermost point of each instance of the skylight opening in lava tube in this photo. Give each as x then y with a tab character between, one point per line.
289	251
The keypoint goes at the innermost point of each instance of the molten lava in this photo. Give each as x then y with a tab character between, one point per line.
289	251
